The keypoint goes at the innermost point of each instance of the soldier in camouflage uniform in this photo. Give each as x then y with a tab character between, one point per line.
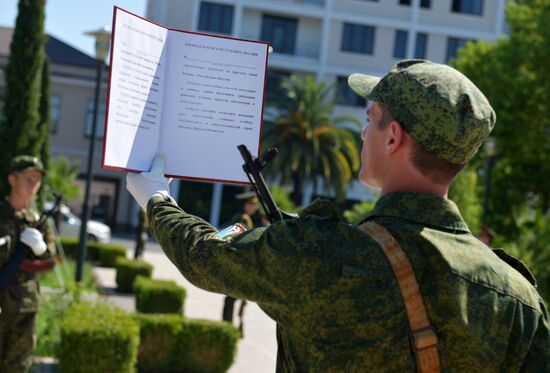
19	301
329	285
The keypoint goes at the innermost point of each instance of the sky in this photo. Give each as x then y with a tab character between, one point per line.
67	20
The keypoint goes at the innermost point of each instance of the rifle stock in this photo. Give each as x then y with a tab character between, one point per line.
18	259
253	168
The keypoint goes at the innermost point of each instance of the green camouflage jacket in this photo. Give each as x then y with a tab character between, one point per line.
24	298
335	299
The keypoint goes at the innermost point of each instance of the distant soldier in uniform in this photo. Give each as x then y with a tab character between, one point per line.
410	288
244	217
141	233
19	301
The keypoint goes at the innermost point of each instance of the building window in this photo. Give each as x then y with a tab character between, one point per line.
423	3
216	17
468	6
55	112
274	90
400	44
280	32
100	124
346	96
453	44
358	38
421	45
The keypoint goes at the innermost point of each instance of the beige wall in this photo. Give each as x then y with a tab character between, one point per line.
75	86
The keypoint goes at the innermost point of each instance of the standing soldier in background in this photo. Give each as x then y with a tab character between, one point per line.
244	217
19	301
410	288
141	233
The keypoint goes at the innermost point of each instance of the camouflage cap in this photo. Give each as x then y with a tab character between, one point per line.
23	163
247	196
436	104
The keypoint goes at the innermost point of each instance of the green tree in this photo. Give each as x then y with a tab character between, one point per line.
42	145
60	178
464	191
513	73
531	246
359	211
311	142
23	73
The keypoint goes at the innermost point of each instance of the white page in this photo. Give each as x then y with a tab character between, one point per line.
135	92
214	98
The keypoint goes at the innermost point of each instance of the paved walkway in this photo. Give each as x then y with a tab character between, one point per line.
257	350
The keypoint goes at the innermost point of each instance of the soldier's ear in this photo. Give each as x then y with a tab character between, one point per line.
11	179
394	139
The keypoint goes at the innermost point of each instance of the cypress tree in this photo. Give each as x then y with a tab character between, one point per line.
23	80
42	143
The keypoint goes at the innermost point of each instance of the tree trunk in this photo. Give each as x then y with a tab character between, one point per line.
298	193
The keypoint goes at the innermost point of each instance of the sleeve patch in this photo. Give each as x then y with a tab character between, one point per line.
229	233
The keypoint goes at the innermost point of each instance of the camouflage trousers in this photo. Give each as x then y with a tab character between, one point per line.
17	340
227	314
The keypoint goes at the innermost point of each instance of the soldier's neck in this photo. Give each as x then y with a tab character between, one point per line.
408	179
18	203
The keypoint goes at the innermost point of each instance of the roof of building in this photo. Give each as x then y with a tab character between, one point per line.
57	51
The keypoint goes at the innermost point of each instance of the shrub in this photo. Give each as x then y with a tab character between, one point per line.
127	270
158	296
109	253
98	338
48	319
70	247
170	343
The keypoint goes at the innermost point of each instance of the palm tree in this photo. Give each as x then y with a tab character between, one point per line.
311	142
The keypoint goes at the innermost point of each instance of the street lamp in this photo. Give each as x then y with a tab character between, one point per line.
490	151
102	43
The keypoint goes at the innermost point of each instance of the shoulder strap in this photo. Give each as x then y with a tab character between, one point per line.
422	335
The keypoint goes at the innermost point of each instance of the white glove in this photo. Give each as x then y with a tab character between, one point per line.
33	239
145	185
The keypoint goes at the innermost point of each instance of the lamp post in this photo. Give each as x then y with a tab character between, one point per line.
102	43
490	151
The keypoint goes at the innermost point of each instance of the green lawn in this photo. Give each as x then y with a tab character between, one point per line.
67	272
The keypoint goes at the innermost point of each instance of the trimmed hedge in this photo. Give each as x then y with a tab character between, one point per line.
158	296
109	253
127	270
98	339
105	253
170	343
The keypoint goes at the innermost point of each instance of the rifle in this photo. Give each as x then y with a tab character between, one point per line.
18	260
253	169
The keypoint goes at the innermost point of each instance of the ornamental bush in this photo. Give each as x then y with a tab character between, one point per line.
170	343
109	253
127	270
93	249
97	339
158	296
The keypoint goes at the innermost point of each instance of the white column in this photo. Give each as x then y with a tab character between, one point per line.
411	38
195	9
499	26
237	19
175	189
325	35
217	193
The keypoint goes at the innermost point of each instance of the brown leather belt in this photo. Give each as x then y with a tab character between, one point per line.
422	336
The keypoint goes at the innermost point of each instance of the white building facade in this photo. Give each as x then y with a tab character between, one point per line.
332	39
